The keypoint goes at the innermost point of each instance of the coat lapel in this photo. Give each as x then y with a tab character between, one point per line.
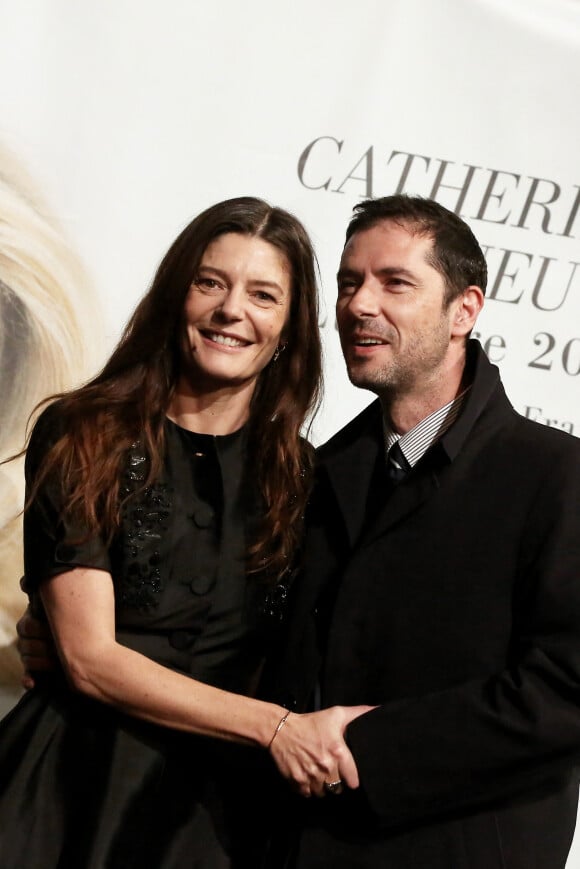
401	501
349	464
355	451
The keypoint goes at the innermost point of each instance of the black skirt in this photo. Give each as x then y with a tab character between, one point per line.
85	787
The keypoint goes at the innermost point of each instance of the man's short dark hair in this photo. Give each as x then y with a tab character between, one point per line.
456	253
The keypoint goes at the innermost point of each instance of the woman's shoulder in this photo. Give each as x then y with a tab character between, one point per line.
48	427
50	422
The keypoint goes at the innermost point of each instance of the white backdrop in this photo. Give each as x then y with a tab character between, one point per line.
130	118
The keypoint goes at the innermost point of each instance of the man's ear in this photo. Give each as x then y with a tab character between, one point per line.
466	309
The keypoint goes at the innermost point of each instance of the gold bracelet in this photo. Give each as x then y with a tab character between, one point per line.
279	727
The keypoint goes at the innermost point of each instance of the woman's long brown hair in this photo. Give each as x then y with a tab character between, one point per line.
128	400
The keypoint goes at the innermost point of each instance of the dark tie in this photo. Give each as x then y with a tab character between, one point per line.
397	465
387	474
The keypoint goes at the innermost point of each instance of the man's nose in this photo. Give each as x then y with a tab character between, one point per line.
365	301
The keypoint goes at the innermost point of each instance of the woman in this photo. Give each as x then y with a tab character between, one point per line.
163	499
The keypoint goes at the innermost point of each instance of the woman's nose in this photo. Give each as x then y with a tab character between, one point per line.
232	305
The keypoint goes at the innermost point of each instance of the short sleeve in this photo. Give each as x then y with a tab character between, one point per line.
52	544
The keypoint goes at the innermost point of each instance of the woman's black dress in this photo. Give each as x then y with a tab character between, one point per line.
83	786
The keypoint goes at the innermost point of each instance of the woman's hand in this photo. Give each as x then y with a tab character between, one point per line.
310	750
35	646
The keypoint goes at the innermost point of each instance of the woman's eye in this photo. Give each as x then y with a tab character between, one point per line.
263	296
207	283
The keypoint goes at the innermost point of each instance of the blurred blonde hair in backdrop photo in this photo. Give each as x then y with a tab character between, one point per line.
50	330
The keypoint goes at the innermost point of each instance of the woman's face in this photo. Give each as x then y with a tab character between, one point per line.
235	311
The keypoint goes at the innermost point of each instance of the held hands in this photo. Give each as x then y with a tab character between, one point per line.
310	751
35	647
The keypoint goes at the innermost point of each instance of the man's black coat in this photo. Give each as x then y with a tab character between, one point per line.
457	611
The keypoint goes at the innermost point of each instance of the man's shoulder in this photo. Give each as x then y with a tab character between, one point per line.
364	424
535	436
544	451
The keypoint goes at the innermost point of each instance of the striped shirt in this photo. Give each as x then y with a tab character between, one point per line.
415	443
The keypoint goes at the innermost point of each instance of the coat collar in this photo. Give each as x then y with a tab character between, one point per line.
348	459
486	390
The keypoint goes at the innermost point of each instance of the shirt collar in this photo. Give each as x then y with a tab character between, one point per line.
415	443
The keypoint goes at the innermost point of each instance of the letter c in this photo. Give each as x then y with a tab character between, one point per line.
305	156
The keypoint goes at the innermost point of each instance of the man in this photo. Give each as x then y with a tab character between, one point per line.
441	579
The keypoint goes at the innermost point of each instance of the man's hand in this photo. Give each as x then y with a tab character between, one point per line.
310	751
35	647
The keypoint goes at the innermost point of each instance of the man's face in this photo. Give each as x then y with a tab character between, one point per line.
394	327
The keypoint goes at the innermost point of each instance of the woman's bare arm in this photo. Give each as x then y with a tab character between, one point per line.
81	610
80	607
